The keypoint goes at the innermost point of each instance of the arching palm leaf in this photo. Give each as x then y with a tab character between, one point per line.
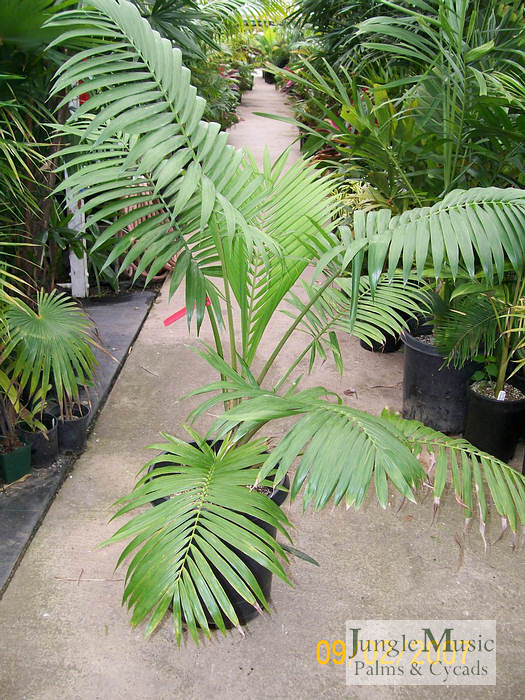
184	546
384	312
362	447
481	227
148	162
474	475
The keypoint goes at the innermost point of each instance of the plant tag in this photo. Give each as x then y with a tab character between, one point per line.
501	396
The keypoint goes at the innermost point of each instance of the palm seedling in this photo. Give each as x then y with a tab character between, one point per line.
243	238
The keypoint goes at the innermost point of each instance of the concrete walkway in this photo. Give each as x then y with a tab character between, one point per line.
64	634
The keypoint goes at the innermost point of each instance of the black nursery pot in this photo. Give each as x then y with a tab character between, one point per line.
392	343
494	426
244	610
518	381
433	395
418	325
44	448
72	434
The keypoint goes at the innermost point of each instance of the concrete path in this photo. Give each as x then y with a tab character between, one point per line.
64	634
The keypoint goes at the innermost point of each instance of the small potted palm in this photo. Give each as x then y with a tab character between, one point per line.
244	238
485	326
52	347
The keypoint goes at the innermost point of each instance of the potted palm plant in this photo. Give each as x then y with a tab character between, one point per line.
484	325
244	237
52	346
21	424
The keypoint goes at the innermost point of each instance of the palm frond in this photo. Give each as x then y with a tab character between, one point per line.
480	227
151	165
185	547
475	475
385	448
385	312
361	446
304	193
55	342
470	328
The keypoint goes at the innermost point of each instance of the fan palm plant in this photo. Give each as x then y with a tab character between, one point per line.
52	345
243	239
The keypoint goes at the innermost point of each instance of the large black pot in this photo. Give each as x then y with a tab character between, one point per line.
494	426
433	394
518	380
244	610
44	446
72	434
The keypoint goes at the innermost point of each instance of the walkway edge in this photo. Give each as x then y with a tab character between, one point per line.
23	505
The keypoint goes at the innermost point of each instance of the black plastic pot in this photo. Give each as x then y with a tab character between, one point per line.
392	343
519	382
268	77
433	395
494	426
244	610
72	434
44	446
417	325
15	464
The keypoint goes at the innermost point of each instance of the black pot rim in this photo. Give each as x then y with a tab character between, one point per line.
85	410
54	425
412	342
489	399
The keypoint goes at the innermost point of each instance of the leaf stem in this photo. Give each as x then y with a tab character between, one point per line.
294	325
228	299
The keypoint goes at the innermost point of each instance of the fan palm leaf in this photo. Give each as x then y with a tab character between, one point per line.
186	544
55	342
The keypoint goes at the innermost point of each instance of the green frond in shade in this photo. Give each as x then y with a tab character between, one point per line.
470	328
183	547
54	343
